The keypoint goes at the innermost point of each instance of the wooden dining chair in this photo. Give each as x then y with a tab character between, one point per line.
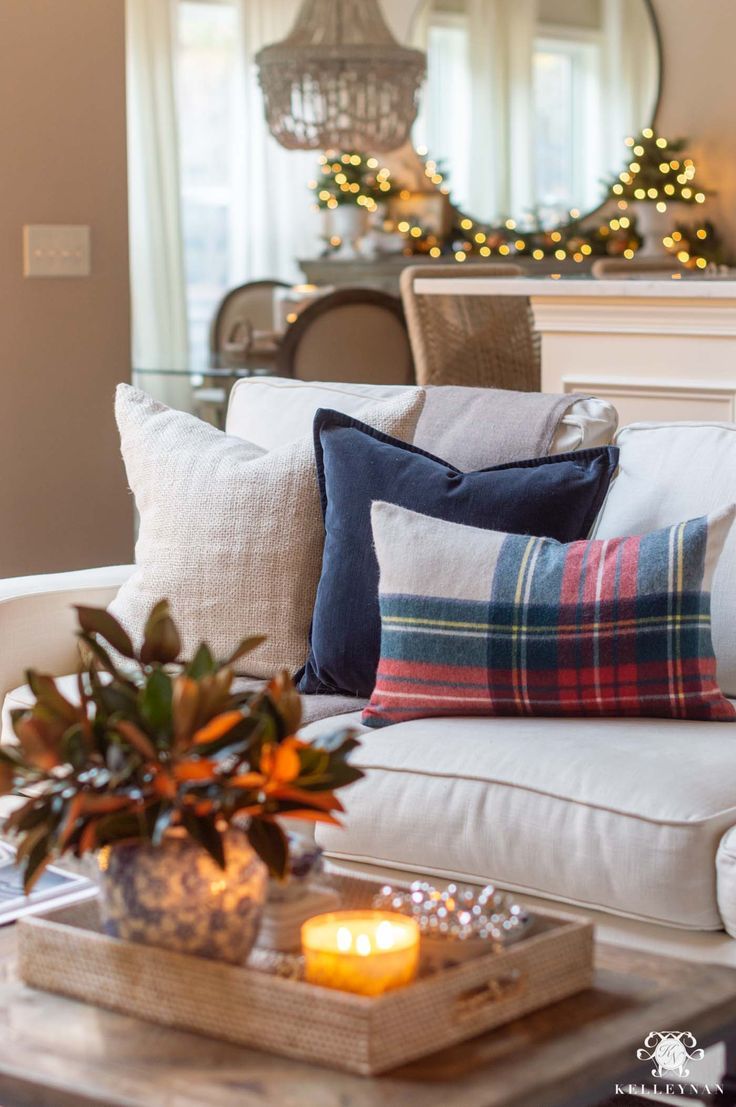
355	335
243	312
242	330
477	341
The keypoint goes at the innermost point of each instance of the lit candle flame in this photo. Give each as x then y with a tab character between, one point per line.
344	939
363	945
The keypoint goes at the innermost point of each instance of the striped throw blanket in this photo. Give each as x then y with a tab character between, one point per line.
478	622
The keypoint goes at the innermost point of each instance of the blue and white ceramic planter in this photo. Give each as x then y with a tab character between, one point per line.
175	896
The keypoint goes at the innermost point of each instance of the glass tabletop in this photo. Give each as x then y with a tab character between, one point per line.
217	371
214	365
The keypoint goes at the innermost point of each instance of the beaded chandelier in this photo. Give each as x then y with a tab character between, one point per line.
340	80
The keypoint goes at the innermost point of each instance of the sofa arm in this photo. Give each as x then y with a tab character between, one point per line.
37	622
726	880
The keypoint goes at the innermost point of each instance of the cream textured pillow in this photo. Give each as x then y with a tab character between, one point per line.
230	535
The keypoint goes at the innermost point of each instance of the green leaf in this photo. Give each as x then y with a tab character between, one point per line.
336	776
30	839
121	827
100	653
30	815
48	696
117	698
235	743
269	728
204	831
314	761
155	701
161	640
246	646
271	845
96	620
134	737
38	859
201	664
74	747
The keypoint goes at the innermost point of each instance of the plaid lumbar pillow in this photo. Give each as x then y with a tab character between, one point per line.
478	622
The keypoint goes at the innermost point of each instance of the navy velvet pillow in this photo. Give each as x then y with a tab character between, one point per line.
551	497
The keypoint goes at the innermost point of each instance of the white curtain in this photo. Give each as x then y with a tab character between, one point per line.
487	92
275	223
156	249
630	74
520	25
501	42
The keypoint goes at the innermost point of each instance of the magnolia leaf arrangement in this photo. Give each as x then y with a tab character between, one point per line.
156	744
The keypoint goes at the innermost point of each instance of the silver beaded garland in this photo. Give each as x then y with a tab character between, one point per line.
457	914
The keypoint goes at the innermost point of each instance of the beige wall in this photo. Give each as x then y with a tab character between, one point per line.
64	343
699	95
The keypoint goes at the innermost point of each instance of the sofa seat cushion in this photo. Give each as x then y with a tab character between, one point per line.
623	815
314	708
619	815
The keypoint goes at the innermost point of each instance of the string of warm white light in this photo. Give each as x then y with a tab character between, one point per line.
654	175
351	178
635	183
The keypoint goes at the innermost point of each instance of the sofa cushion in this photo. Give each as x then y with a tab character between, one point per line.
230	535
314	708
557	496
620	814
273	411
674	471
481	622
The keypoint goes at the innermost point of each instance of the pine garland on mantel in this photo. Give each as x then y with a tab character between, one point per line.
657	171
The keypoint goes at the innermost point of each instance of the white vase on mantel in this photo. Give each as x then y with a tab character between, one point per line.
347	221
653	226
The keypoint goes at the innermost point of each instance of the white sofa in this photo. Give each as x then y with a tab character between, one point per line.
634	820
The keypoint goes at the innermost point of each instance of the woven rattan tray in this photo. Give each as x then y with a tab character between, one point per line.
65	952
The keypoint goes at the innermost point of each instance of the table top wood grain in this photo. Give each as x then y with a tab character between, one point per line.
57	1052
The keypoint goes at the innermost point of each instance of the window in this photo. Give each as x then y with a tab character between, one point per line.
206	67
513	109
567	92
444	121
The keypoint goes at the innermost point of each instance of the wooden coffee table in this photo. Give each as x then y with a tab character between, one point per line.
56	1052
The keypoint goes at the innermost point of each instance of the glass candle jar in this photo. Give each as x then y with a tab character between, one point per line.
367	952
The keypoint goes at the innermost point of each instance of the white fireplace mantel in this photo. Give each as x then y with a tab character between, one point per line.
657	349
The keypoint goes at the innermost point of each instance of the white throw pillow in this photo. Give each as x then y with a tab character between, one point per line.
669	472
231	535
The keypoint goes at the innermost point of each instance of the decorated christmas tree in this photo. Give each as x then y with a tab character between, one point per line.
657	172
351	178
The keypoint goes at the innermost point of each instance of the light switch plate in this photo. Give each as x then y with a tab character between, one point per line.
55	250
